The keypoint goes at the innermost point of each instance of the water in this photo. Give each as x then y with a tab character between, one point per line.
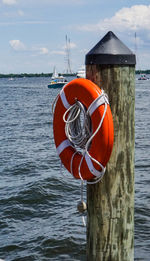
38	216
142	171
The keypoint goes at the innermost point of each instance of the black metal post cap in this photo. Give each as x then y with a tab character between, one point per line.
110	50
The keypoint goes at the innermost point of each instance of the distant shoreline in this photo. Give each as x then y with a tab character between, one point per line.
23	75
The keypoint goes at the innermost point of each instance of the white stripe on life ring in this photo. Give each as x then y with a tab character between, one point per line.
63	145
64	100
101	99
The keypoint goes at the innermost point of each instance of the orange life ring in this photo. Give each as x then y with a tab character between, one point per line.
101	146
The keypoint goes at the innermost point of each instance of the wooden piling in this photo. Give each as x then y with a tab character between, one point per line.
110	203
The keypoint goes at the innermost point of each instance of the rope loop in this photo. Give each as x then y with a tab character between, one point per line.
78	125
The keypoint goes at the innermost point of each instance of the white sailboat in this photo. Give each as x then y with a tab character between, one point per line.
55	74
57	81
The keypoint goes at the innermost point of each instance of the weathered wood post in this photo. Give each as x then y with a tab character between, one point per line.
110	221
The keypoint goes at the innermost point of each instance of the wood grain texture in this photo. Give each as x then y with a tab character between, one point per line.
110	203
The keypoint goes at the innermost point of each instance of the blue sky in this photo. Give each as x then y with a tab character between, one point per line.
33	31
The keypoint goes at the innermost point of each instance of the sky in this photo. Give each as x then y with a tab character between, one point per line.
33	32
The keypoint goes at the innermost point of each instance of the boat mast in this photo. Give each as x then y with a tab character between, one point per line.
68	55
138	65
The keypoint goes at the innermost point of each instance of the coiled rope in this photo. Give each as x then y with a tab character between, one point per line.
78	130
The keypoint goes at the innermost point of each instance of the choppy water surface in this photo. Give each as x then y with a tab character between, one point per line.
38	216
142	171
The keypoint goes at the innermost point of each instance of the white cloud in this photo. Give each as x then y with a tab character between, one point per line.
43	50
72	45
134	18
69	45
36	51
59	52
9	2
13	14
17	45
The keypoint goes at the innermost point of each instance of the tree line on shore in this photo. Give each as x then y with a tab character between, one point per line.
22	75
142	71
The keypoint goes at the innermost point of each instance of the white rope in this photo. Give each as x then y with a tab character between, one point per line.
80	133
78	130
